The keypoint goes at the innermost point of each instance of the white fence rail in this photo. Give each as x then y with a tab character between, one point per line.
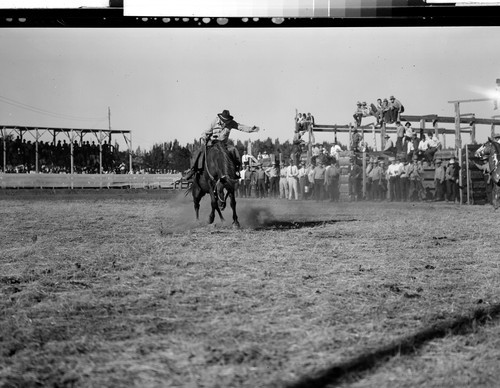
79	181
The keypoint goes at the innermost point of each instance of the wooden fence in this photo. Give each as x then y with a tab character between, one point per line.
96	181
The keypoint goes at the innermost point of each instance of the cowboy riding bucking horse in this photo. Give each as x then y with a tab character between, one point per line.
219	130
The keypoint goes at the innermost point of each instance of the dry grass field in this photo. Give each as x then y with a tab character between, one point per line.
126	289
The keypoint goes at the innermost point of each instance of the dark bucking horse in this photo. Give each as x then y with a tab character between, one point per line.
491	151
218	179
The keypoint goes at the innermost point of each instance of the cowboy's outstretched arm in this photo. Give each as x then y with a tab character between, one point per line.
247	128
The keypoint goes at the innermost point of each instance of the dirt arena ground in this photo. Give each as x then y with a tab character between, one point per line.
125	288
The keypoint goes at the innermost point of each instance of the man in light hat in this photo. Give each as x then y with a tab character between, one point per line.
319	181
292	175
389	148
439	175
496	137
273	176
375	175
451	178
358	114
393	178
219	130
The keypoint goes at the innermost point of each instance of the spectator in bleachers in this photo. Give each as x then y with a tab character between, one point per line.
439	176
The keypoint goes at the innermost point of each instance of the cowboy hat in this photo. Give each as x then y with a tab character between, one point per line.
225	116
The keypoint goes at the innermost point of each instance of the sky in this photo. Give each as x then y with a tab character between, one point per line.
169	83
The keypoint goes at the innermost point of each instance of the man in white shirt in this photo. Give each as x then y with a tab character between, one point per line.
245	159
393	172
335	151
292	176
423	145
433	144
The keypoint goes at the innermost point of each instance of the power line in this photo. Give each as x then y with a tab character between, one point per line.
32	108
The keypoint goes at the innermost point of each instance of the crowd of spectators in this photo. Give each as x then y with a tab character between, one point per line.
318	180
55	157
304	123
409	143
387	179
385	111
